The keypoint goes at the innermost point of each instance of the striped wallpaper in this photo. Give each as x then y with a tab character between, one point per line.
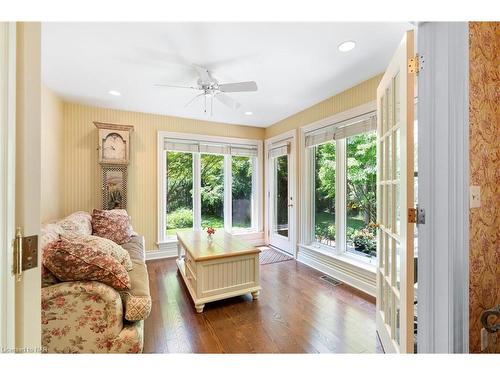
81	170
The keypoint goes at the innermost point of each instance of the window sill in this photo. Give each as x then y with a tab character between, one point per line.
351	259
351	271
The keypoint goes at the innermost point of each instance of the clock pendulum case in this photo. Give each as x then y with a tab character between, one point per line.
114	157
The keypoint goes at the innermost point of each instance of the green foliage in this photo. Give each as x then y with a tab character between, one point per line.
180	218
179	180
362	175
365	241
325	177
180	188
212	184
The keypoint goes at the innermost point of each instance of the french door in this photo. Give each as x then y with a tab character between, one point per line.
281	203
395	279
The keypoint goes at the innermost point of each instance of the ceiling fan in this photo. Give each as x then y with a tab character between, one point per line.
211	89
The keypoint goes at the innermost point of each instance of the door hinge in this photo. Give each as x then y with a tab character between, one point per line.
415	64
416	215
25	254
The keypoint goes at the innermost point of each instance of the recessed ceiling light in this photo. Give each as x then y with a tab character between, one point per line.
249	113
114	93
347	46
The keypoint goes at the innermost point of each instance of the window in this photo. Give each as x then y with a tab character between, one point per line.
324	193
179	191
212	191
342	185
242	187
361	187
208	181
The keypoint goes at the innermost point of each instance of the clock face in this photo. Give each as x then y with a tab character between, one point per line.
113	147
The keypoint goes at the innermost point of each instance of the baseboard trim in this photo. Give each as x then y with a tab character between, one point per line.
356	277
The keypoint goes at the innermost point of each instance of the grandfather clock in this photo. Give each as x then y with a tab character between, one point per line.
114	157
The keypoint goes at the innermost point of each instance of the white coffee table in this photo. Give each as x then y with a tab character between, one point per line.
216	269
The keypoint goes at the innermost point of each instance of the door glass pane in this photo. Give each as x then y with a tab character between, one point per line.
361	204
280	225
398	322
179	192
241	192
397	99
398	265
212	191
324	193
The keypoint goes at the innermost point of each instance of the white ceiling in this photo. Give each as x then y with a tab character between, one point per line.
295	65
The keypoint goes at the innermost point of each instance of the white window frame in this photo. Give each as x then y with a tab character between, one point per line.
307	230
166	243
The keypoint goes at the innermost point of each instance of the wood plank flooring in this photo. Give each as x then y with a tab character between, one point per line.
297	312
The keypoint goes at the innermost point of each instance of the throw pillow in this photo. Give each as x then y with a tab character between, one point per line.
71	261
78	223
107	246
111	225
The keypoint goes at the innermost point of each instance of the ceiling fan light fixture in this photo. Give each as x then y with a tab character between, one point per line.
114	93
248	113
347	46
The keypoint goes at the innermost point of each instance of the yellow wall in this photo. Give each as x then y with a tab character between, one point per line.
362	93
51	149
81	171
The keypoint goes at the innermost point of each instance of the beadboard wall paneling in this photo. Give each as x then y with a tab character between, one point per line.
51	150
362	93
484	155
81	170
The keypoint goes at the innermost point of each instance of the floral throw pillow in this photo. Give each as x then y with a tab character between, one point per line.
107	246
78	222
72	261
111	225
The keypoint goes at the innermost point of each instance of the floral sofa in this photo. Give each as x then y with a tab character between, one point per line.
90	316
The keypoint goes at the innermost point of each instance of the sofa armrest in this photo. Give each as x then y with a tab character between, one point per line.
80	317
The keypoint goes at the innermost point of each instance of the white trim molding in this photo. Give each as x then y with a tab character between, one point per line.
353	273
7	181
443	157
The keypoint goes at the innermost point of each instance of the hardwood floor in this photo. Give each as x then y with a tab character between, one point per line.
297	312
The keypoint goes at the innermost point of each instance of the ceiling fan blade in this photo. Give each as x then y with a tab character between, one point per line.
192	100
238	86
228	101
203	73
176	86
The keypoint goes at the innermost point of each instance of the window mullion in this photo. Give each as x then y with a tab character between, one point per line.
340	196
196	192
228	192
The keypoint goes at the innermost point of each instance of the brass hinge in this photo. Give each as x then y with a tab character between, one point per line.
414	64
416	215
25	254
412	215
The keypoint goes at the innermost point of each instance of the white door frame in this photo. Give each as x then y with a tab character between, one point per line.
292	187
7	181
443	168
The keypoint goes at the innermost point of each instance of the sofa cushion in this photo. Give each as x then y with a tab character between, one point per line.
107	246
111	225
71	261
48	278
135	248
79	222
137	300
